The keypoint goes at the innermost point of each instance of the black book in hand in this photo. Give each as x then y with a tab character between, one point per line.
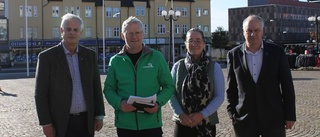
142	102
140	106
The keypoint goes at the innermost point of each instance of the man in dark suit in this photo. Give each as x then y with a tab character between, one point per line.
68	90
260	92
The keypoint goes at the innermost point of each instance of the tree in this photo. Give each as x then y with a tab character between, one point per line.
219	39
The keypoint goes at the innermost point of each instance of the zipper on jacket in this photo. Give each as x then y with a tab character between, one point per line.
135	92
135	88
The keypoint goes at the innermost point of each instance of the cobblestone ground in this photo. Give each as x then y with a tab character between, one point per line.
18	114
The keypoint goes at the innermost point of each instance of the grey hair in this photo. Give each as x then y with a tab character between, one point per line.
253	17
196	30
130	20
68	17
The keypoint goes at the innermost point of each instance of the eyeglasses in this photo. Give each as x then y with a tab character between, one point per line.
131	34
194	41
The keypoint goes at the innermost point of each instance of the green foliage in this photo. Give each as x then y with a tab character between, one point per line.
219	38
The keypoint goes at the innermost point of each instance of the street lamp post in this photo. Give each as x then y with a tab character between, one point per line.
315	19
27	36
171	16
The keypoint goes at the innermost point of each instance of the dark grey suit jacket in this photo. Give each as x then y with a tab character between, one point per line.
269	102
53	89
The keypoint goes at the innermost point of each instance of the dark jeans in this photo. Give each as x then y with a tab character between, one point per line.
154	132
78	126
184	131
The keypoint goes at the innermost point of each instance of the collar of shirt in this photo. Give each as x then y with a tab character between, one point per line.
66	51
249	52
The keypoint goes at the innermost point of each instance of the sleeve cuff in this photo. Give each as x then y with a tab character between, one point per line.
99	117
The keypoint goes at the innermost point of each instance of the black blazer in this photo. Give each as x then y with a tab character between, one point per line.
270	101
53	89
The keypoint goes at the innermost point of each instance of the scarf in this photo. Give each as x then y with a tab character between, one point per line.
196	93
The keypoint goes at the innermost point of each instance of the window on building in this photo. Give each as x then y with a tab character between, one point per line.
66	10
116	11
108	12
199	26
108	32
78	11
88	12
29	11
198	12
145	28
184	29
21	10
184	12
3	29
142	11
161	29
72	10
176	9
160	9
55	11
206	28
116	32
177	29
1	6
205	12
88	32
56	32
35	11
21	33
35	32
30	34
137	10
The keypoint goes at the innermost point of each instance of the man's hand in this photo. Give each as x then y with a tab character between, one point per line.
49	131
125	107
98	124
153	109
289	124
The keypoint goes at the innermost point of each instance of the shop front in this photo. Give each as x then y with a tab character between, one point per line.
18	49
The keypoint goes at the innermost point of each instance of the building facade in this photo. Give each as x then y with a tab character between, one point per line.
285	21
43	18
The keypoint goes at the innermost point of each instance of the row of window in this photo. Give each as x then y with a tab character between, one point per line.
32	11
111	31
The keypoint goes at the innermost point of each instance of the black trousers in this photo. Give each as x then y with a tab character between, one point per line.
78	126
242	130
184	131
153	132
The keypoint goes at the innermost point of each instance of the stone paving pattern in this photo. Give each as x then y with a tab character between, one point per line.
18	115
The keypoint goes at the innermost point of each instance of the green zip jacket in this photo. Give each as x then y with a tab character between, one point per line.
150	75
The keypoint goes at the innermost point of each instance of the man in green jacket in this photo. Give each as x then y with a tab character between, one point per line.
137	71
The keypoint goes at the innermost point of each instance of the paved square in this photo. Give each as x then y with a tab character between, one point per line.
18	114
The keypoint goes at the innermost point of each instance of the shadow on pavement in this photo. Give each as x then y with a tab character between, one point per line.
7	94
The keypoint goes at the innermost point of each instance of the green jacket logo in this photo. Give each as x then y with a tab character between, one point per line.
148	66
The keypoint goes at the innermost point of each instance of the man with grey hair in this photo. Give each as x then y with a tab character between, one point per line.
68	92
137	70
260	91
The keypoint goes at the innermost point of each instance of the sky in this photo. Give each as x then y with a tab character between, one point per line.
219	12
